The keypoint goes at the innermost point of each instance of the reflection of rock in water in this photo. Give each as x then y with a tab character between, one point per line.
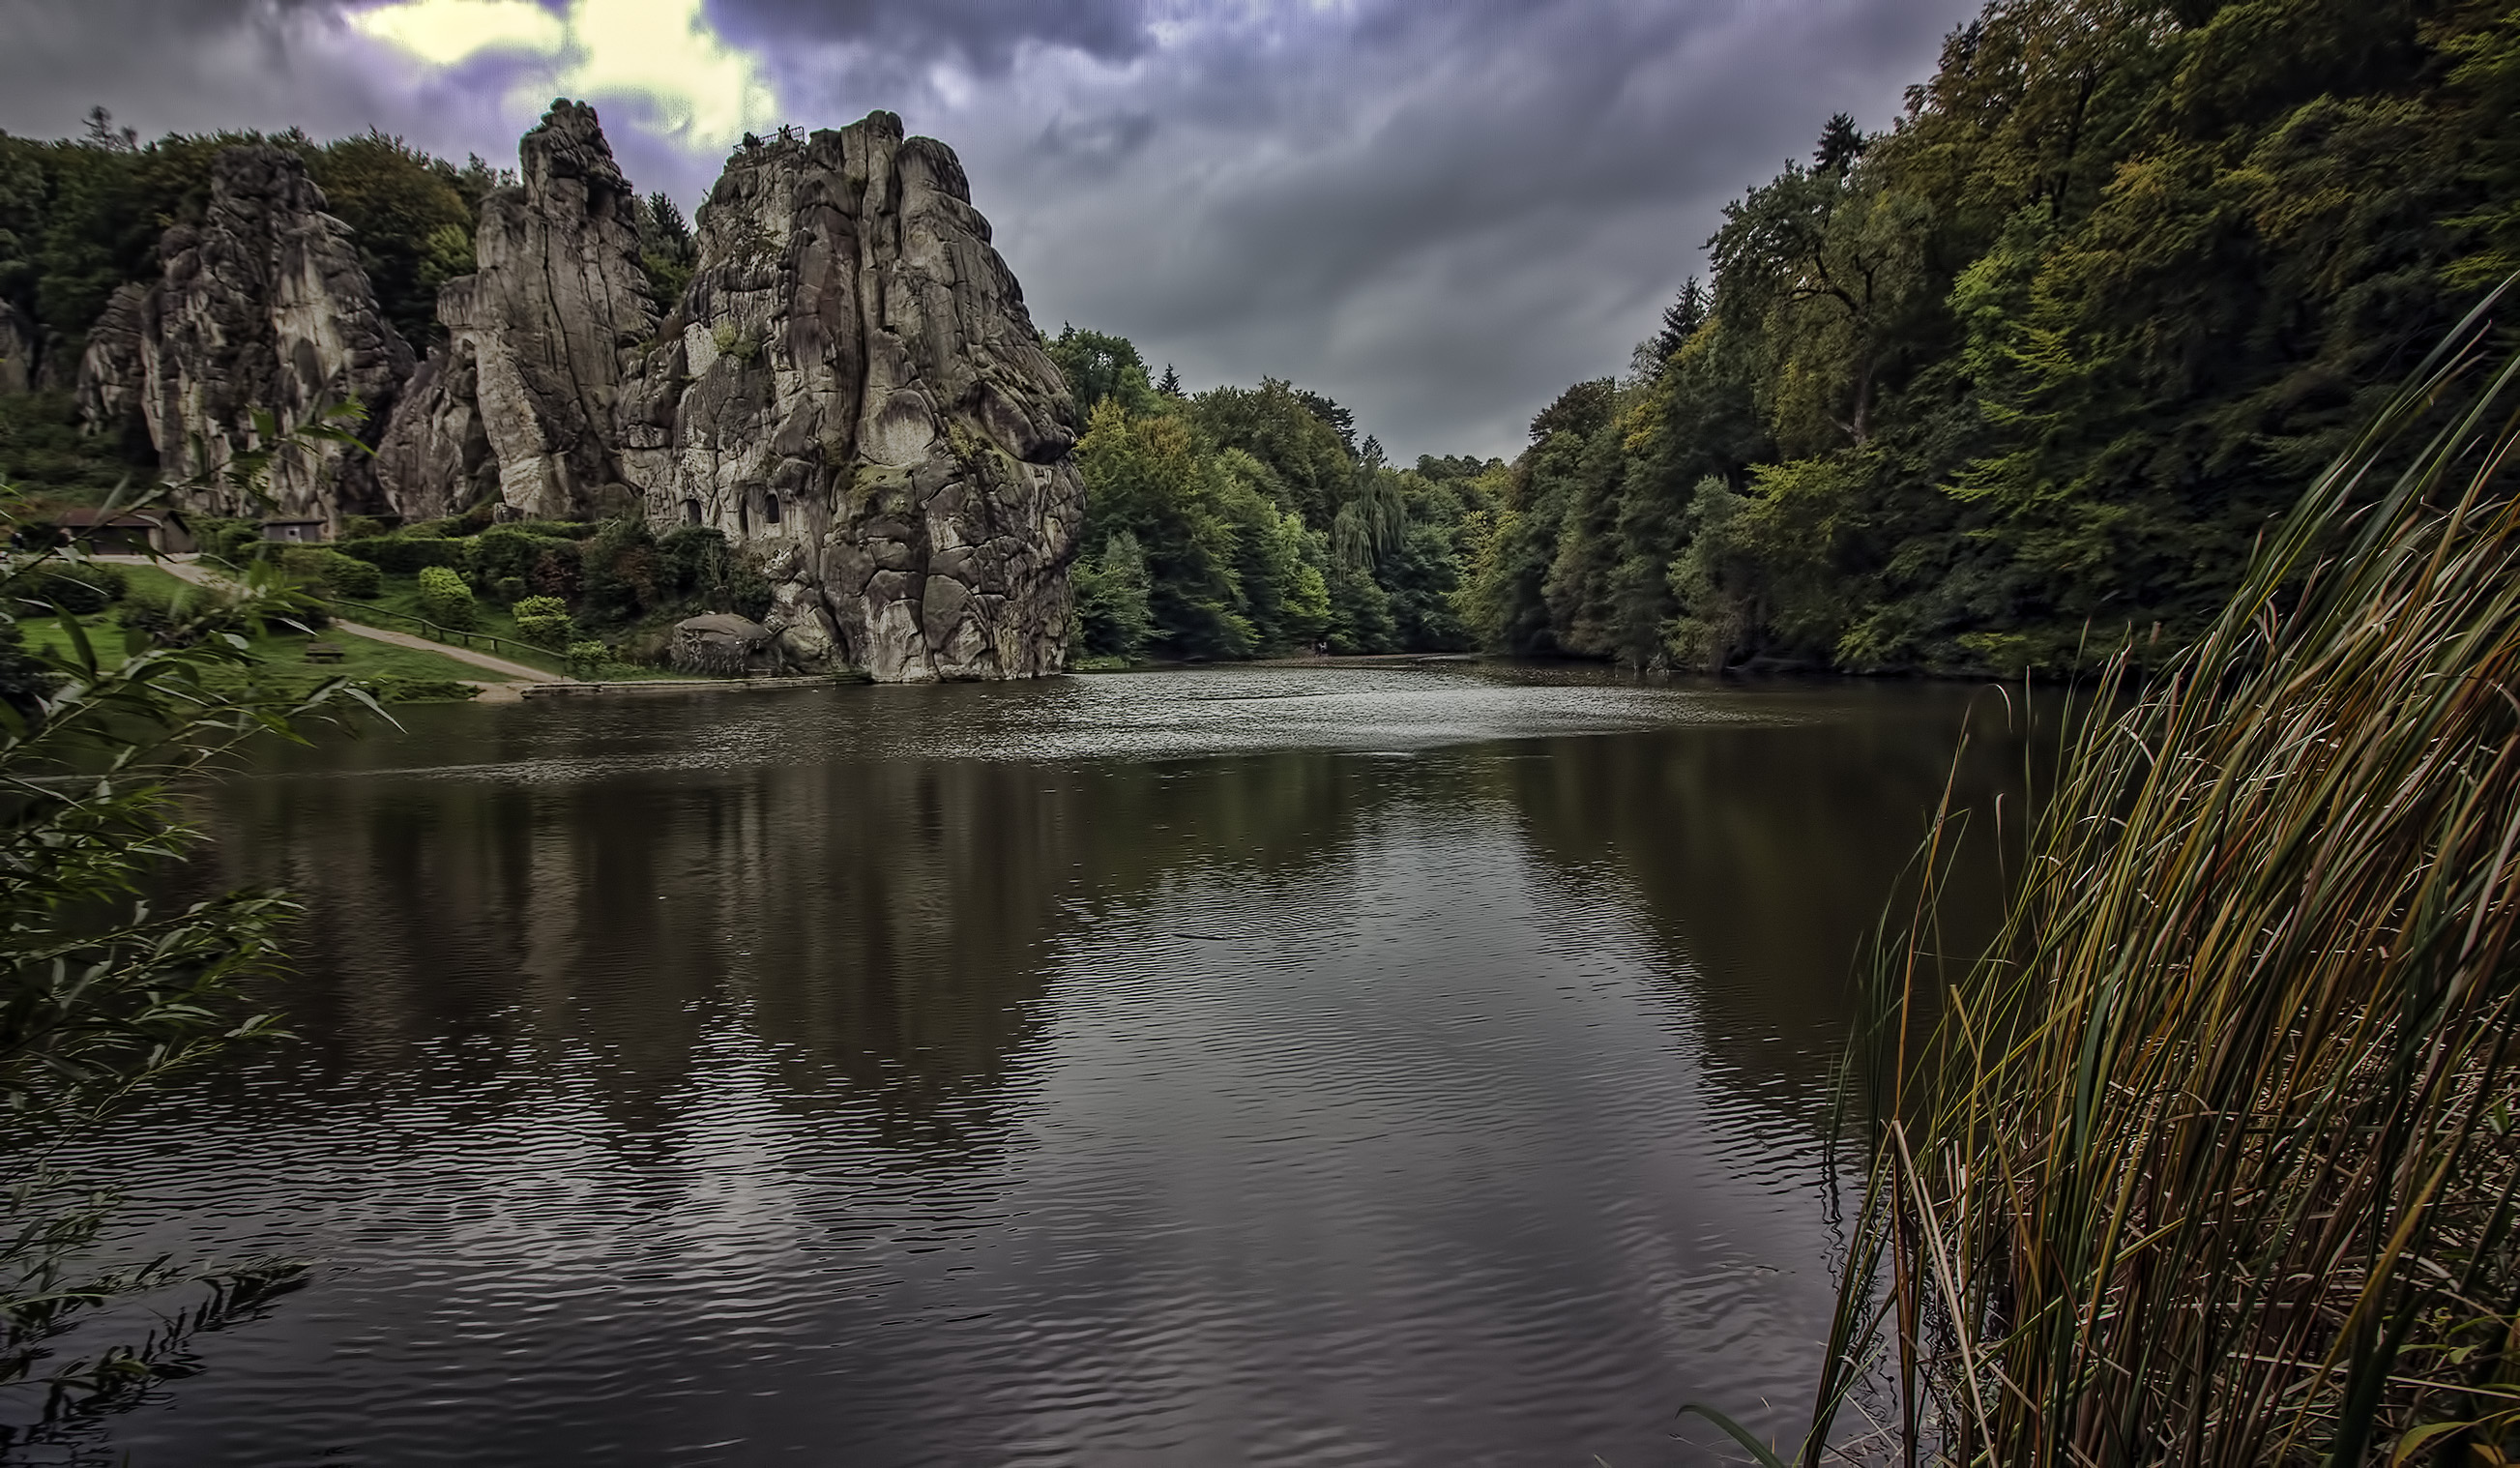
882	931
653	886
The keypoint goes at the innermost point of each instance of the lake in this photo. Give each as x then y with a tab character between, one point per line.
1424	1065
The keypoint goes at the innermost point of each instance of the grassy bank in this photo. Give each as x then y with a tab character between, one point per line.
397	673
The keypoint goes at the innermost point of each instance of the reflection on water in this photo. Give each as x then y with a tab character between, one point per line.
1242	1066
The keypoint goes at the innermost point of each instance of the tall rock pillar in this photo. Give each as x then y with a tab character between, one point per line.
852	389
521	393
261	308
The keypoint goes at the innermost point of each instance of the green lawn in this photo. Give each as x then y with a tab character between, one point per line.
285	653
401	594
150	578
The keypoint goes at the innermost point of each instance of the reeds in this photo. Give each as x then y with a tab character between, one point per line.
2211	1159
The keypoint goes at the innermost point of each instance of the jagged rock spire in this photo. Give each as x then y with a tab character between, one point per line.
519	397
260	308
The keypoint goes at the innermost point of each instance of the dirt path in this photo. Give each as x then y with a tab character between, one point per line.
511	672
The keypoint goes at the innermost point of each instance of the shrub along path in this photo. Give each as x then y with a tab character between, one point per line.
511	672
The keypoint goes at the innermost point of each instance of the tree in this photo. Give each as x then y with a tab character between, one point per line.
1680	320
405	211
106	992
1841	143
666	249
1098	367
103	135
2027	373
1113	598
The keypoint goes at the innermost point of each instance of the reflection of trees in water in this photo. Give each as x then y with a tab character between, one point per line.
1764	856
884	928
882	931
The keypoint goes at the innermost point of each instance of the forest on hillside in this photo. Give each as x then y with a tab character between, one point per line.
2023	379
2004	388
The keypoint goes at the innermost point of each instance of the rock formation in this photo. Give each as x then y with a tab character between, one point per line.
113	379
521	394
17	347
262	307
852	389
722	644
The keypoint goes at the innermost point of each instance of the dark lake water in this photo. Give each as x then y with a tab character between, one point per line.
1362	1065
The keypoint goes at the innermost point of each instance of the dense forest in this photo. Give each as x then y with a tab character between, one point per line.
2025	377
2007	386
1246	522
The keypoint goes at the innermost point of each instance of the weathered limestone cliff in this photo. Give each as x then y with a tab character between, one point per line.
852	388
113	378
19	340
519	400
262	307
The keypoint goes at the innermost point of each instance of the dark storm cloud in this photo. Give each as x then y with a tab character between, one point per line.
1439	211
985	35
1441	214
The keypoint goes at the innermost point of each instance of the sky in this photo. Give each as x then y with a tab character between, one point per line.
1440	212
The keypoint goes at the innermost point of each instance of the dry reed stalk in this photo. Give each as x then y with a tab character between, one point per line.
2211	1159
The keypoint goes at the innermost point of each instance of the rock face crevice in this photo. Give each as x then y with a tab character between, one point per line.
262	307
519	397
852	386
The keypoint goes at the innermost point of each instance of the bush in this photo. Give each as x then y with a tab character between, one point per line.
228	539
587	660
747	590
82	590
179	618
24	681
444	598
327	571
364	527
478	518
352	577
544	621
624	575
504	551
395	689
555	571
406	553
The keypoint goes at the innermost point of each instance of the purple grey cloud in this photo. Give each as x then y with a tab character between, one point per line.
1439	211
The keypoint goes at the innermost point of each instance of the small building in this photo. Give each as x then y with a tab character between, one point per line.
131	532
297	532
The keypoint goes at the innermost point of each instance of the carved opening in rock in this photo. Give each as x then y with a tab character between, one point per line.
690	512
744	516
769	508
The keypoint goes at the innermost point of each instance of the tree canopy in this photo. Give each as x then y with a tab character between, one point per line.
2024	377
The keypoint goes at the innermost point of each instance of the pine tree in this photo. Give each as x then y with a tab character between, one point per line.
1841	143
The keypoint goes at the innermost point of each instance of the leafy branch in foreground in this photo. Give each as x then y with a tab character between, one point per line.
2211	1157
105	991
